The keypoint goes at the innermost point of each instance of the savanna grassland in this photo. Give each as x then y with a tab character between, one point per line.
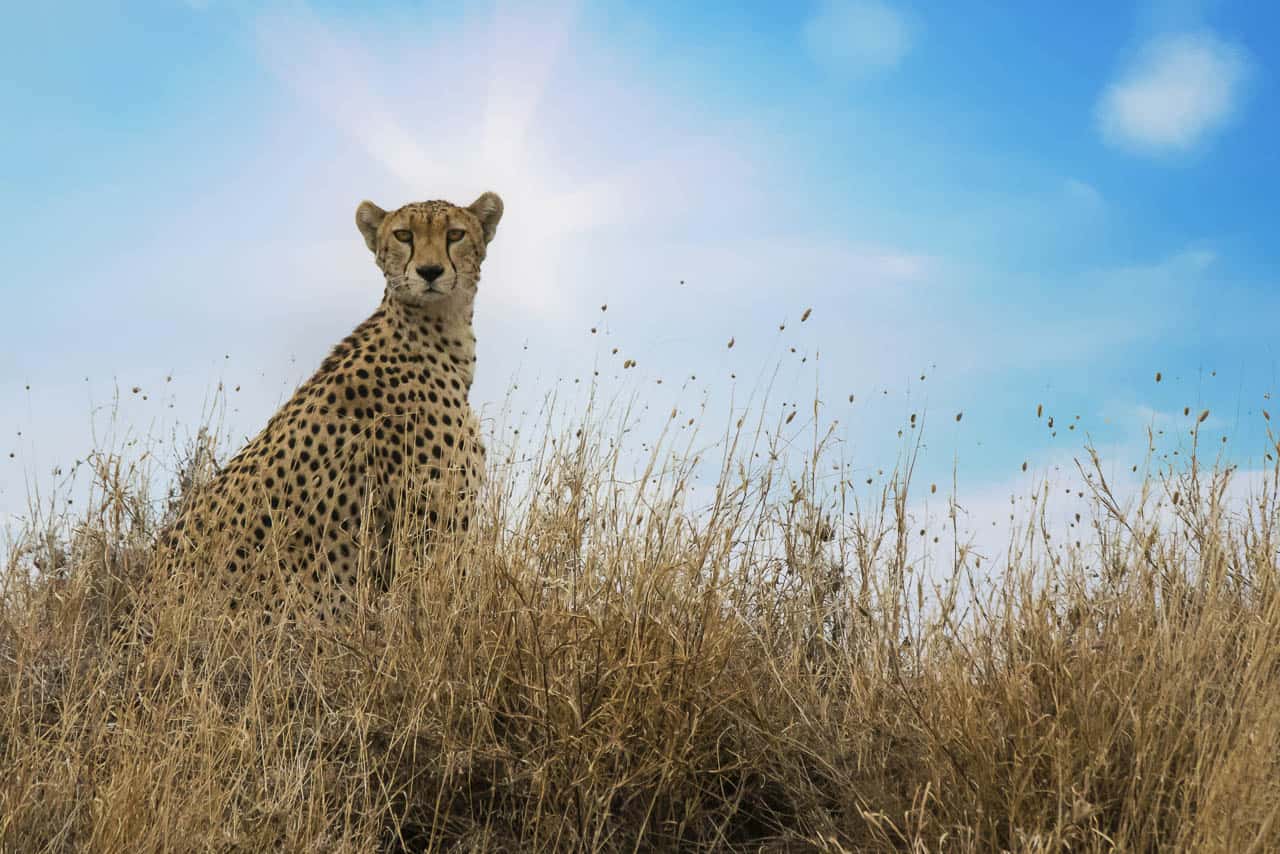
615	660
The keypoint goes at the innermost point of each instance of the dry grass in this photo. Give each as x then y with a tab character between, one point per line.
615	668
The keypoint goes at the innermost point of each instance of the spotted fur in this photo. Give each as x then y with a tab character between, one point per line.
306	512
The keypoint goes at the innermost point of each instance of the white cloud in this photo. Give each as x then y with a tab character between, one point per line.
807	266
1162	421
1084	194
1179	90
857	37
1179	266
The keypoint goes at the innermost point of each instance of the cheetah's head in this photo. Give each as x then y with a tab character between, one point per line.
430	252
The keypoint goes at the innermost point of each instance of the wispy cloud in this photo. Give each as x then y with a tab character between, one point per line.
1142	417
854	38
1178	91
1083	193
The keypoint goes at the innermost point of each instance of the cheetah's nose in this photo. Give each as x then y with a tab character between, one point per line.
430	273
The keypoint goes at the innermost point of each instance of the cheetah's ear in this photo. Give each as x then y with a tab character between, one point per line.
487	209
368	217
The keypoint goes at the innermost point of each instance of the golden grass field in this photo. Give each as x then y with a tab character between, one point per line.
609	665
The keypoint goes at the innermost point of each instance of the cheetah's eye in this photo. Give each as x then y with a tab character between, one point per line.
404	235
454	234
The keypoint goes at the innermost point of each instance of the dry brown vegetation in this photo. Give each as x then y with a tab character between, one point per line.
615	666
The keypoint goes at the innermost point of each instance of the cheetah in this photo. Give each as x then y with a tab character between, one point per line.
306	513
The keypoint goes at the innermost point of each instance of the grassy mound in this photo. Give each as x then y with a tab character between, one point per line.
609	664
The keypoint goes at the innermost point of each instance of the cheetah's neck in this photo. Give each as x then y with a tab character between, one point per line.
448	331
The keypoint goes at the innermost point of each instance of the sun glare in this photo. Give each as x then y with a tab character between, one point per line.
493	148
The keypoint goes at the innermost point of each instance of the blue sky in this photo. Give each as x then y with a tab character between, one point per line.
1027	204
